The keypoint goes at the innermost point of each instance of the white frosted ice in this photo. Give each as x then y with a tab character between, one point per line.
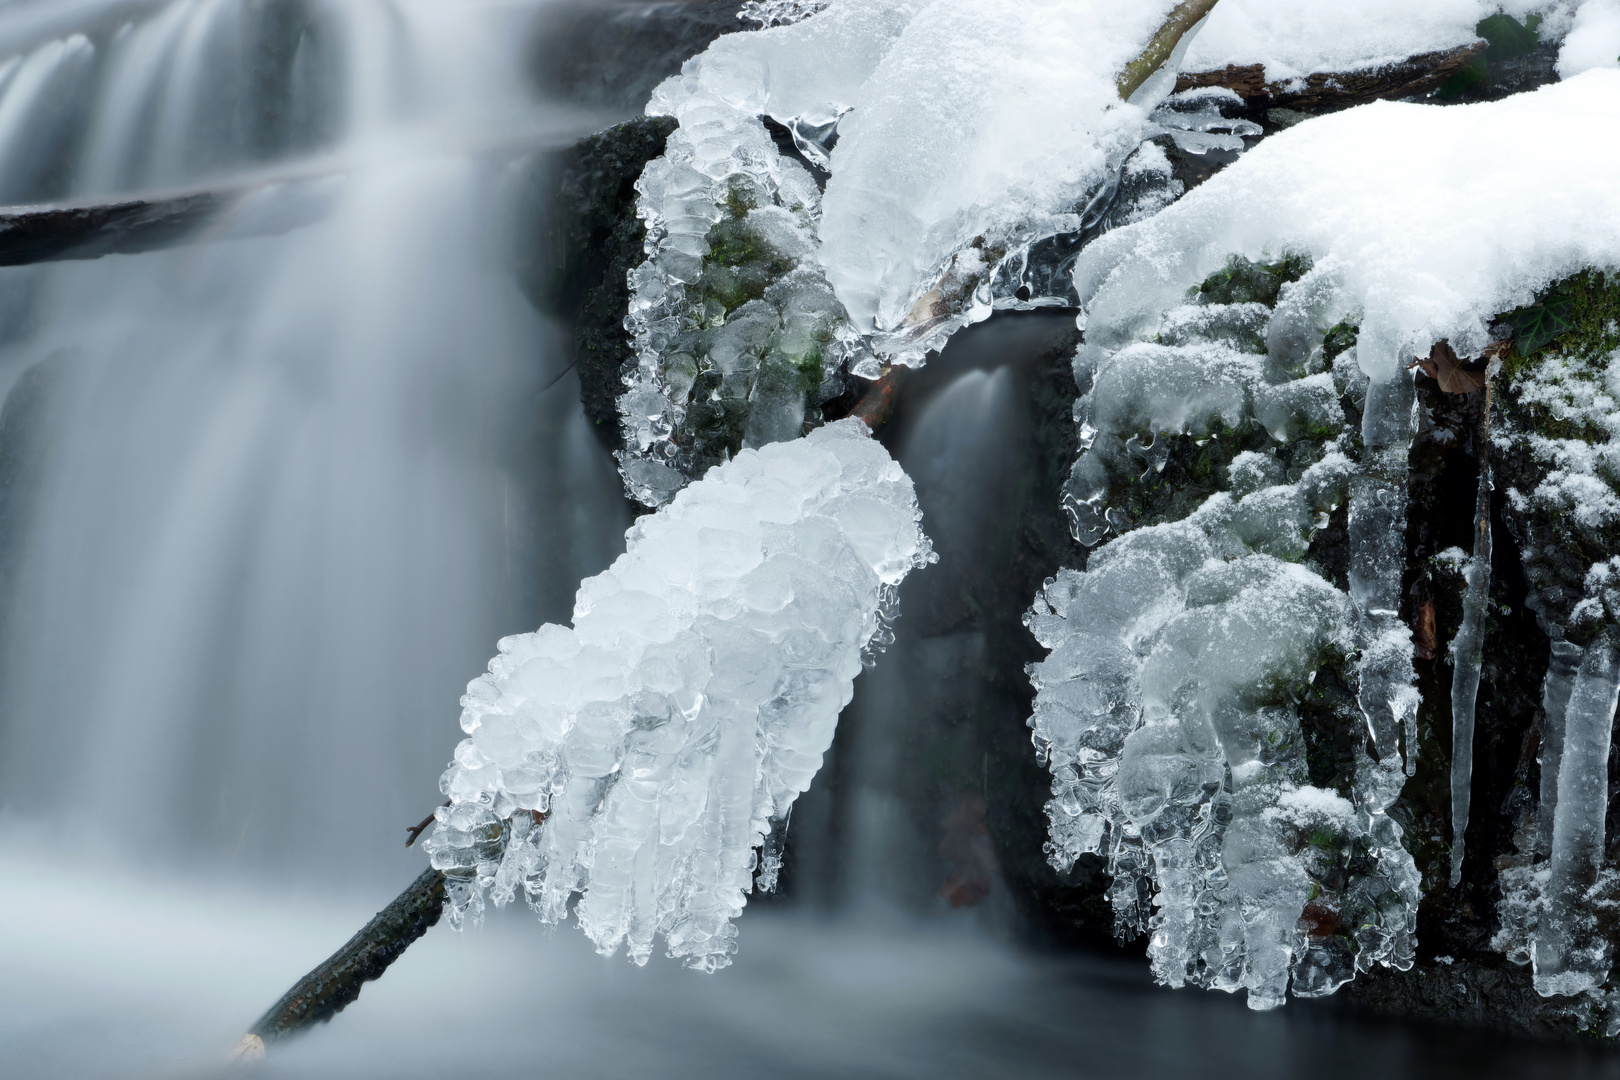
1294	38
667	733
1593	40
984	123
1169	708
950	135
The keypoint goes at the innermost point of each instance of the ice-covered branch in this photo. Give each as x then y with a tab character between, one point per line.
1162	45
668	732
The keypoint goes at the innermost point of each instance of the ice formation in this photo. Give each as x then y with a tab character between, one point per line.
665	736
1186	651
1467	654
1295	38
1561	429
953	139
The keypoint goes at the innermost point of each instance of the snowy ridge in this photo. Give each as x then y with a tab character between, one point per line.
668	732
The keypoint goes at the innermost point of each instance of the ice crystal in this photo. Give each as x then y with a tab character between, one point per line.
664	737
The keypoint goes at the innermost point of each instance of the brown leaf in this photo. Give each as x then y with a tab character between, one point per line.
1424	644
1444	368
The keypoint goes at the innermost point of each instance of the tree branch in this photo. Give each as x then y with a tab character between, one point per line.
324	992
1183	18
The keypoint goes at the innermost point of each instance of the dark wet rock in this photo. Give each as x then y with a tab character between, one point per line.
589	239
609	54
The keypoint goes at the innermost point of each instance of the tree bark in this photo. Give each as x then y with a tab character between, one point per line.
325	991
1182	18
1326	91
34	234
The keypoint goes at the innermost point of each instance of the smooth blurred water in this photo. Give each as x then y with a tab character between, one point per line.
281	493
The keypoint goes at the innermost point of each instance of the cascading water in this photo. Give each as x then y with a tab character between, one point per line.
281	491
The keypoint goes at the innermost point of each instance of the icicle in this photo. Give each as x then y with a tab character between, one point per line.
1377	559
1568	961
1467	651
1555	690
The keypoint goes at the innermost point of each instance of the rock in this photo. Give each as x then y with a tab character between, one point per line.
610	55
588	240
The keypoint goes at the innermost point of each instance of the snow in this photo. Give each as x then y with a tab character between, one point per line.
1410	216
670	729
948	145
1295	38
1593	40
951	137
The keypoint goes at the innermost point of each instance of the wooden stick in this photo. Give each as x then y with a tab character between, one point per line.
1183	18
325	991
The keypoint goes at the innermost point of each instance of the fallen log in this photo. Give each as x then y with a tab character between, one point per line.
1329	91
35	234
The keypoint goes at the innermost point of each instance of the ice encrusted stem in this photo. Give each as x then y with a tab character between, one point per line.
1566	961
1468	650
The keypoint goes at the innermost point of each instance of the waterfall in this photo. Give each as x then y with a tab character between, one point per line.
267	500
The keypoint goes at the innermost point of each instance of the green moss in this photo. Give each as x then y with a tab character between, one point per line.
1243	282
1340	338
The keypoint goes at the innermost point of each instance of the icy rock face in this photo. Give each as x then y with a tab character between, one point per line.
1170	708
1561	427
664	737
1274	396
738	335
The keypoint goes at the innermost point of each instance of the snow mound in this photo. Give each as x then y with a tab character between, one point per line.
1295	38
1593	40
1412	214
665	736
982	125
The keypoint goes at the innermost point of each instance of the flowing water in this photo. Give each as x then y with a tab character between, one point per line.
268	498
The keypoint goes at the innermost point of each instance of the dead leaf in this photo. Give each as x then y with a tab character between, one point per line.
1424	643
1444	368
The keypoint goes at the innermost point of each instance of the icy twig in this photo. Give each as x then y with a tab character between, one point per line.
415	831
1182	19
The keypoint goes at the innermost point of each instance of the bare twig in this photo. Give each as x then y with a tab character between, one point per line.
325	991
420	827
1183	18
